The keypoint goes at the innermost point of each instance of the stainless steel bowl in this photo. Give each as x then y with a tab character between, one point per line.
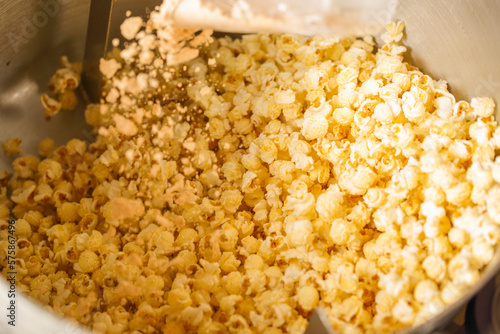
455	40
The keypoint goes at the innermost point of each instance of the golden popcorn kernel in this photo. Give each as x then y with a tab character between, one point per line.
23	228
231	200
483	106
67	212
308	298
120	208
228	262
233	283
12	146
68	100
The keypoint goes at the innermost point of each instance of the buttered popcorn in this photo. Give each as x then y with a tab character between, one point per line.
237	184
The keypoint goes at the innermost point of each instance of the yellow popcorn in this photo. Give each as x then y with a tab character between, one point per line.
228	262
236	187
23	228
403	312
384	302
299	233
482	253
425	290
67	212
375	197
347	75
179	298
357	181
233	282
451	292
343	116
268	150
50	170
231	200
435	267
308	298
62	84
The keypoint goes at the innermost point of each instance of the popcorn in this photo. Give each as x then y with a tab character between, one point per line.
308	298
315	127
375	197
435	268
130	27
12	146
231	200
237	186
383	113
50	105
403	312
329	204
62	85
299	233
483	106
357	182
426	290
179	298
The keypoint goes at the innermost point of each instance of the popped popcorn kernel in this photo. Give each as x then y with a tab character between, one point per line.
308	298
130	27
62	85
483	106
87	262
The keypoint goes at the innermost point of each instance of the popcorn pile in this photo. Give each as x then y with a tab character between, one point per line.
62	85
236	188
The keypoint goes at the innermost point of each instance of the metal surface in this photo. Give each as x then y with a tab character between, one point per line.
318	323
96	46
458	41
